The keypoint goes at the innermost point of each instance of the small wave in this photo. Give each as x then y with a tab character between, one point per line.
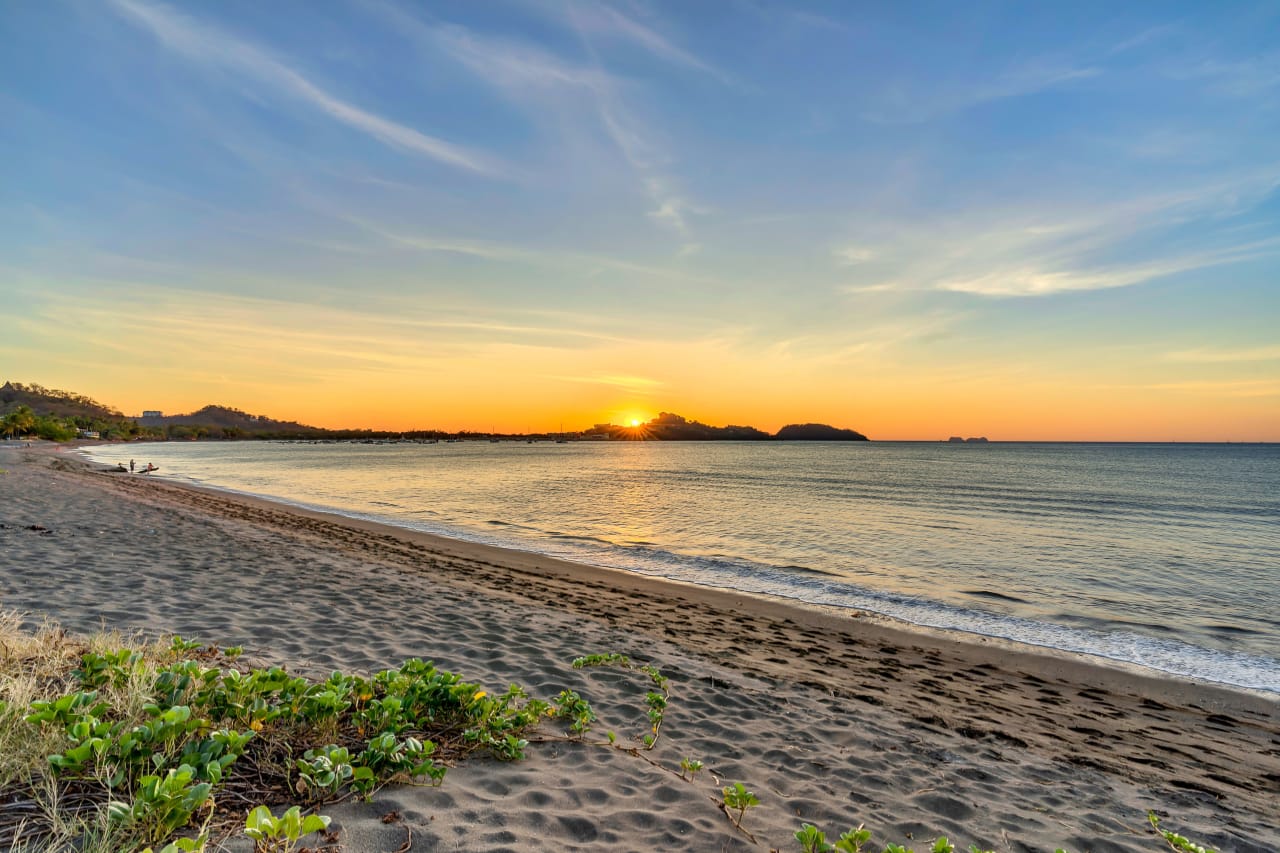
574	538
511	525
997	596
1155	627
1232	629
812	571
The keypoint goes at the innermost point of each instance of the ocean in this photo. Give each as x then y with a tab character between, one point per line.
1162	555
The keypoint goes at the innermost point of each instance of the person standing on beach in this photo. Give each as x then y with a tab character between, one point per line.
130	466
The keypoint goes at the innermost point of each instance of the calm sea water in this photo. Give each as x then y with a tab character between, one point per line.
1167	556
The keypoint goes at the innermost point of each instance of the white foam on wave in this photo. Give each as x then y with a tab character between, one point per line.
1168	656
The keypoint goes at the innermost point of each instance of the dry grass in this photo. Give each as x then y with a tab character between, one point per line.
36	811
33	665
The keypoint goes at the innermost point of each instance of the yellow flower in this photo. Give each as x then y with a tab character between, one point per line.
480	694
256	725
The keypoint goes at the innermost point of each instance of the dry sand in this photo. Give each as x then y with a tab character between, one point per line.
834	718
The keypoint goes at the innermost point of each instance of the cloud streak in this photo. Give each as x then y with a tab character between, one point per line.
1039	281
1024	254
635	384
528	75
599	19
1225	356
210	46
914	105
506	253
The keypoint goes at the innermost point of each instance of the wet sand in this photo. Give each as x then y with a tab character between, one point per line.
831	717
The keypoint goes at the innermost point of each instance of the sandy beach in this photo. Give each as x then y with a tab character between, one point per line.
831	717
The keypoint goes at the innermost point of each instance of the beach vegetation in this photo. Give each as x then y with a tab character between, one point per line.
737	798
655	700
1177	842
322	773
570	705
813	840
273	834
162	804
130	742
689	767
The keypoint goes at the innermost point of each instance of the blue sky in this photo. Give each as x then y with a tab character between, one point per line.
909	218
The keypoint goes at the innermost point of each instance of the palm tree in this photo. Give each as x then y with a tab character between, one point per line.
20	421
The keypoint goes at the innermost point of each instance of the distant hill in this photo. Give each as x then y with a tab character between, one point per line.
672	427
49	401
28	411
817	432
62	414
226	418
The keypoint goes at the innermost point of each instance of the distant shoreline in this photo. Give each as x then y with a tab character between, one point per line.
518	439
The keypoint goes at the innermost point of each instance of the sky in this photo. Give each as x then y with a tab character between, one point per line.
1029	221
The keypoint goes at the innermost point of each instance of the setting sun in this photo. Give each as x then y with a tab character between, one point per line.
635	422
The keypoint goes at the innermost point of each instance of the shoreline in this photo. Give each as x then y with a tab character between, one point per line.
462	544
927	704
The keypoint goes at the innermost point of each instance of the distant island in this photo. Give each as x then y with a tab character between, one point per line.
39	412
818	432
955	439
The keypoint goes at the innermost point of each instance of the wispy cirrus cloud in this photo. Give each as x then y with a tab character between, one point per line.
1225	388
908	104
878	287
606	21
853	255
526	74
511	65
1026	254
208	45
673	209
373	338
635	384
634	140
1143	38
1210	355
856	342
1042	281
581	262
1246	77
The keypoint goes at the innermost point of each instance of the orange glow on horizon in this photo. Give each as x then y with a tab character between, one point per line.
715	385
926	412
